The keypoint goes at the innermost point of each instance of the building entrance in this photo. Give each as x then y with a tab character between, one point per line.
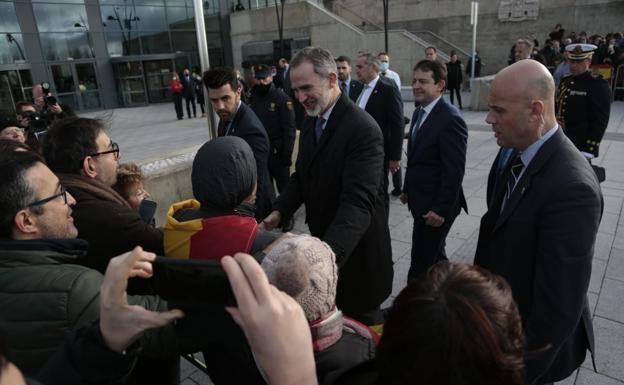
76	85
15	86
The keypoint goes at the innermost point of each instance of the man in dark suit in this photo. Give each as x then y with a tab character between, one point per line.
339	177
236	118
381	98
541	224
188	92
436	159
347	85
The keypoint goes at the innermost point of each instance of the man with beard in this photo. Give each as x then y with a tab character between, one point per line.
348	86
275	110
235	118
339	179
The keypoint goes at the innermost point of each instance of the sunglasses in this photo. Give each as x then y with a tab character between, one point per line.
40	202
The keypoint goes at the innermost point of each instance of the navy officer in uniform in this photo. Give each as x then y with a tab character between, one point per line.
275	110
583	102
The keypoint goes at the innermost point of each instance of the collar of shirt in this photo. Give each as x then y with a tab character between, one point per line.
371	85
428	109
229	123
328	112
528	154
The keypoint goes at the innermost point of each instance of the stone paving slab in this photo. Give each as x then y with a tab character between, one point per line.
150	132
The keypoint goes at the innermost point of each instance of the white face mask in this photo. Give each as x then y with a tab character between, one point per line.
384	67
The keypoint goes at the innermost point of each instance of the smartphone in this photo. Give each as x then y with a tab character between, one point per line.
192	281
147	209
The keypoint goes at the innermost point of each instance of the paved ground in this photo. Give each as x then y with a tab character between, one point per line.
153	132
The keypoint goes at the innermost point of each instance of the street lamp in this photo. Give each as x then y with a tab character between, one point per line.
11	39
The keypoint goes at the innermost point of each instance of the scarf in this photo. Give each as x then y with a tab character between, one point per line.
326	331
93	187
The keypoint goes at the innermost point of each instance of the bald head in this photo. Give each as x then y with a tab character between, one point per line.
522	104
530	79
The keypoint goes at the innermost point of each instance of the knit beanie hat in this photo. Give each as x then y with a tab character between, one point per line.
305	268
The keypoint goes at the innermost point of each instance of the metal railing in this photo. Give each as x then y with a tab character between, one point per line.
360	21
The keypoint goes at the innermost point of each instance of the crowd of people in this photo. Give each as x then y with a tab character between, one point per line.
608	52
85	299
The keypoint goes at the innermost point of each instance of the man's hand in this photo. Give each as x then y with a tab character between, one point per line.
56	109
394	165
120	323
274	323
432	219
271	221
403	198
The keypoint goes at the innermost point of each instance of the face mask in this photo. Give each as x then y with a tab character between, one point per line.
262	89
384	67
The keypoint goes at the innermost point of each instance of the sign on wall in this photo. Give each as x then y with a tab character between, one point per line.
518	10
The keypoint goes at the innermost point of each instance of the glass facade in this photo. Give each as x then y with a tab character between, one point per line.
140	44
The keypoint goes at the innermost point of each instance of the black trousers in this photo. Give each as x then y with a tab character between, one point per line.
428	245
456	90
189	101
279	172
397	180
177	103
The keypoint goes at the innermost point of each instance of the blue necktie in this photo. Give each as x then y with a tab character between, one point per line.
318	128
416	127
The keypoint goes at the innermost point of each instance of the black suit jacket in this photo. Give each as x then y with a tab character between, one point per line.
386	107
188	87
436	162
339	181
247	126
355	88
542	243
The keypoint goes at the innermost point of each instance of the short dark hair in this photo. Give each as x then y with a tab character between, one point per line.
343	59
383	53
220	76
433	48
455	324
15	191
438	69
69	141
21	104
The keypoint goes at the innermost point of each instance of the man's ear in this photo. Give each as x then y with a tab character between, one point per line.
442	84
333	78
537	110
88	167
23	223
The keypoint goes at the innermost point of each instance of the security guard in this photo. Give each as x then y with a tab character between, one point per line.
583	102
275	110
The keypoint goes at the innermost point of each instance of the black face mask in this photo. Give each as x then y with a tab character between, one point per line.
262	89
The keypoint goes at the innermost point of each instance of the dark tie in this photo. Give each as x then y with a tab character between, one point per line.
221	127
343	86
318	128
512	178
416	127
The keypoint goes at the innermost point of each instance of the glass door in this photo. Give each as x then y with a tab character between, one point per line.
158	73
88	90
131	87
76	85
65	85
15	86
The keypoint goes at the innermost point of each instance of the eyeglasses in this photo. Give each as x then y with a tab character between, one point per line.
114	150
40	202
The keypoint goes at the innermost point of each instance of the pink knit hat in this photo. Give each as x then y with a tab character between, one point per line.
305	268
